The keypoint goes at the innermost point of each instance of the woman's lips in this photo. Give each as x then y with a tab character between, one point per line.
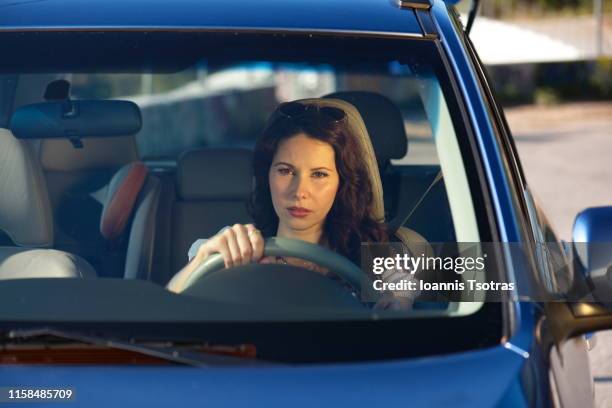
298	212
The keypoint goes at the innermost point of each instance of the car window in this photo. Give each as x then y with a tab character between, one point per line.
217	105
229	107
232	87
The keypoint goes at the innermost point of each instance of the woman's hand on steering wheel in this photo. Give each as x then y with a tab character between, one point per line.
239	244
274	247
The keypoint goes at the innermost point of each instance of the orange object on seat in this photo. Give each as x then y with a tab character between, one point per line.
121	197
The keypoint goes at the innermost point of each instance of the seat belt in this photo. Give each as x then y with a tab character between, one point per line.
400	219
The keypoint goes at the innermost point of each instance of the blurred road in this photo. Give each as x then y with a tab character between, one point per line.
566	152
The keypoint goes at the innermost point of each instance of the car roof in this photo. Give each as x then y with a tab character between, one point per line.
376	16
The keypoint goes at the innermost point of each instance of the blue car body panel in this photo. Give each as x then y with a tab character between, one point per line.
483	378
493	162
522	338
473	379
380	16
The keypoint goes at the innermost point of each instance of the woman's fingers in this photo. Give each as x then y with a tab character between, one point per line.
244	243
223	243
257	242
232	245
224	250
238	245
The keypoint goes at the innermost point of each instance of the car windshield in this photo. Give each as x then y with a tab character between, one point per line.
130	193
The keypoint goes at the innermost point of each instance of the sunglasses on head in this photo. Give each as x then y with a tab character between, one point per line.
296	109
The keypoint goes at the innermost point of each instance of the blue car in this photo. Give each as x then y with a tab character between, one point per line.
127	134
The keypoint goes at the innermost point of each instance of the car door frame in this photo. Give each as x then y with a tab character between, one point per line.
570	379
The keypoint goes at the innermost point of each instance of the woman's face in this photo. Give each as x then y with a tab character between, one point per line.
303	183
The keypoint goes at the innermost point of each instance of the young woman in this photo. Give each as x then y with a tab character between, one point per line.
310	184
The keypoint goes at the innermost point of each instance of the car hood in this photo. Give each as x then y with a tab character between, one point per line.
473	379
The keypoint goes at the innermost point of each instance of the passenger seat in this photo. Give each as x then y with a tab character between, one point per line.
213	188
164	212
25	217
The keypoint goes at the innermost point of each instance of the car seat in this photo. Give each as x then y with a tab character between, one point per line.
213	188
356	122
164	212
25	217
210	190
414	194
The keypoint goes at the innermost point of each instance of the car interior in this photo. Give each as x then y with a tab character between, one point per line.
94	205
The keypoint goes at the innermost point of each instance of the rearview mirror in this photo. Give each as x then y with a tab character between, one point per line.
76	119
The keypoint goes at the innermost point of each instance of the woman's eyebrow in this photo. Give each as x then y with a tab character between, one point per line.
291	165
283	164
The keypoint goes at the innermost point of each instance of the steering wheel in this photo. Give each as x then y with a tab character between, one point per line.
324	257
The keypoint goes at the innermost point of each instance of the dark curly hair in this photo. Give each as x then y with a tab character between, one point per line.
349	221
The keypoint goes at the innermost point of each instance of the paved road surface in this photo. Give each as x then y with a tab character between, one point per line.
567	156
566	152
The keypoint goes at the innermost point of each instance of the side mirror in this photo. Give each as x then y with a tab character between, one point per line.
592	248
592	242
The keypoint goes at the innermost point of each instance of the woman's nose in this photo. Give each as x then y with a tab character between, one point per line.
301	186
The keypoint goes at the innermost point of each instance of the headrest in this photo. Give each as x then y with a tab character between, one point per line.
215	174
25	211
76	119
96	153
384	122
121	197
357	128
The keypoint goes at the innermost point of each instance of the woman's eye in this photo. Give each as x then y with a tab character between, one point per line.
284	171
319	174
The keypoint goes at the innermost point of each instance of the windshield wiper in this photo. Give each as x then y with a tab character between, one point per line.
173	354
